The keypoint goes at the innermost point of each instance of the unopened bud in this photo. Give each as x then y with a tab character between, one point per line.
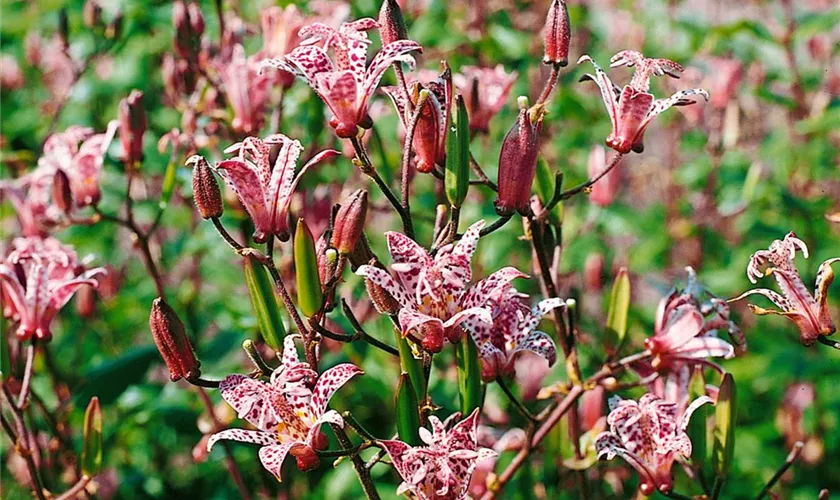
432	336
306	457
92	448
361	255
92	14
382	300
189	26
310	297
172	342
206	192
196	19
557	34
391	22
62	194
518	160
132	127
86	301
350	222
593	272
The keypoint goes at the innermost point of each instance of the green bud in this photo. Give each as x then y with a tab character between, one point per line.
264	303
310	297
408	415
469	375
92	447
617	312
457	175
724	432
697	425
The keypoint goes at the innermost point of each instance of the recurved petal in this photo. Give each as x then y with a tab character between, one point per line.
706	347
329	382
386	281
272	457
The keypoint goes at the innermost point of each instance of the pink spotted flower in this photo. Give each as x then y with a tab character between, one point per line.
649	435
80	154
633	107
441	469
247	90
263	176
808	312
39	277
287	412
512	332
345	83
433	292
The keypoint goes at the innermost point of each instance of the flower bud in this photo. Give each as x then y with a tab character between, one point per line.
457	173
208	197
132	127
92	447
391	22
350	222
309	295
426	140
381	298
605	189
518	160
92	14
264	303
432	336
189	26
306	457
86	301
62	194
557	34
172	342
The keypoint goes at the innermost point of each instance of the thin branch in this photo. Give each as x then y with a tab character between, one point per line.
231	463
513	399
406	159
359	464
791	458
482	177
27	375
549	84
75	489
575	190
359	335
226	235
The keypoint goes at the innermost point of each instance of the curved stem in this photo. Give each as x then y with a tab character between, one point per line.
549	84
791	458
577	189
27	375
359	464
406	159
514	400
75	489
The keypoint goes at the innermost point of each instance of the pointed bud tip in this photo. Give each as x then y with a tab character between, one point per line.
350	222
557	34
391	22
171	340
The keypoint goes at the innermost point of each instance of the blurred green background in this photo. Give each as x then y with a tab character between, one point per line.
707	192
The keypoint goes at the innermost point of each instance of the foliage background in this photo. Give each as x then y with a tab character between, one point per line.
778	173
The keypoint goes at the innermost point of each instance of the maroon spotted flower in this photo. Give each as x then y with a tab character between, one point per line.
633	107
345	83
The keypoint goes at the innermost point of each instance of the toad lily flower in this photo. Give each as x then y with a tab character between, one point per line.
441	469
511	332
632	108
685	330
287	414
263	176
433	293
246	88
649	435
38	278
80	154
344	83
809	313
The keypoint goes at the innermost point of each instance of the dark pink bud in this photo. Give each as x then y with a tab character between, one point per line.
306	457
172	342
189	26
62	194
384	302
206	192
86	301
391	22
427	140
557	34
518	160
350	222
433	336
132	127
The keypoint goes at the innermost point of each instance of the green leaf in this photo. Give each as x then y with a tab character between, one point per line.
697	425
264	303
110	379
168	184
724	432
309	294
457	175
412	366
617	312
92	447
469	375
408	414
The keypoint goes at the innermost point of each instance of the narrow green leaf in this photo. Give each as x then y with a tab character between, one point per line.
92	446
617	312
469	375
457	175
261	289
309	294
408	413
724	433
168	187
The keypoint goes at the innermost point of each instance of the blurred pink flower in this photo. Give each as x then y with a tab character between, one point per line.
264	187
246	89
433	292
80	154
632	108
442	469
809	312
11	77
649	435
345	84
39	277
723	80
604	191
287	414
485	92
